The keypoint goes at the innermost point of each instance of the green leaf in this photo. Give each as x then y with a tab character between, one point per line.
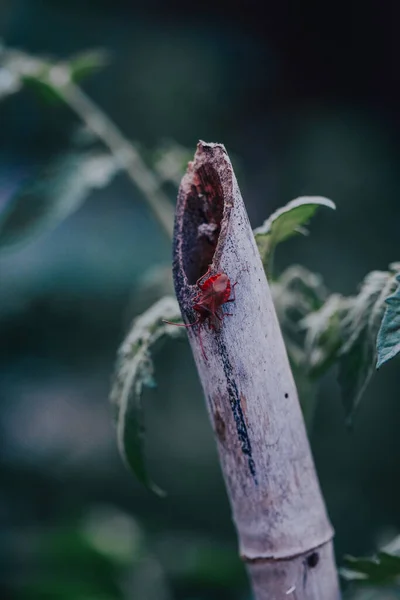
134	371
45	76
296	294
323	334
43	89
360	327
86	63
384	568
388	342
344	331
286	222
56	191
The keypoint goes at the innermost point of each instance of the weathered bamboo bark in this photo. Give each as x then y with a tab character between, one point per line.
285	537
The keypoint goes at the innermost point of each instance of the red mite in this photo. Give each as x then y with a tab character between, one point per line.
214	292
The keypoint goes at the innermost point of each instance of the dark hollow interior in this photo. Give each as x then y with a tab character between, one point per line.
202	222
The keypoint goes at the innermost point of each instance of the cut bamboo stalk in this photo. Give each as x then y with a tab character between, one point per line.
285	537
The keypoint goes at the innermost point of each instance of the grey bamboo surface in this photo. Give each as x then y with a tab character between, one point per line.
285	537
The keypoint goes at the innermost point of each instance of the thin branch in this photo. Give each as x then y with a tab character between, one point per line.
285	537
128	157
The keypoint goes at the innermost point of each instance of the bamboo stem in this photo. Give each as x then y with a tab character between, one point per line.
285	537
126	154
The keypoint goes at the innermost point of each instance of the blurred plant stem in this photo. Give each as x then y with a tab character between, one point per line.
125	153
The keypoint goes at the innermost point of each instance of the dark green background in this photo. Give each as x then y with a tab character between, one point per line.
305	97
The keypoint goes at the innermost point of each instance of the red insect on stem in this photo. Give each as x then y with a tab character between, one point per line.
213	293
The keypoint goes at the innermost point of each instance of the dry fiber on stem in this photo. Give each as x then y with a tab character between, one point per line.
285	537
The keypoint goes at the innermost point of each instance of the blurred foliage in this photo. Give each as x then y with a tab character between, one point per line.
51	195
45	75
373	593
107	555
383	568
101	556
377	576
170	161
